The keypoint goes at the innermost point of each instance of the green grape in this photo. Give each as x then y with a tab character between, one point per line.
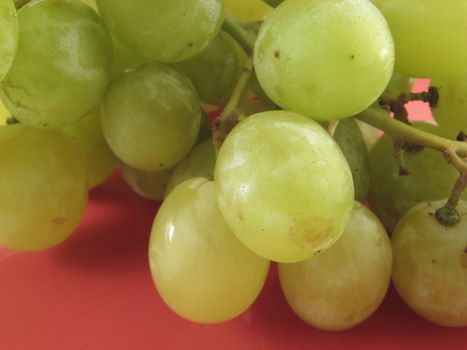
430	36
399	84
148	184
370	134
124	58
199	163
166	31
430	264
199	268
151	117
44	187
451	110
8	35
344	285
283	186
91	3
248	10
214	72
337	69
392	195
350	139
62	67
88	137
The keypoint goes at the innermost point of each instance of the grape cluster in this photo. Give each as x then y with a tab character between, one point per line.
281	175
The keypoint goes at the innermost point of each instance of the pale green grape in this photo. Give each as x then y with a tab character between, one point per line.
161	30
87	135
344	285
430	36
62	67
248	10
325	59
430	264
199	163
151	117
392	195
124	58
214	72
350	139
44	187
451	110
283	186
8	35
199	268
148	184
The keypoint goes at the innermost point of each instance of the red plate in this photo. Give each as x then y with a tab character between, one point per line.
95	292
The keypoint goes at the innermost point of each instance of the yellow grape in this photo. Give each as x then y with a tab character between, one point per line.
199	268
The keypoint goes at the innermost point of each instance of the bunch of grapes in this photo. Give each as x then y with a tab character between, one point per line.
282	174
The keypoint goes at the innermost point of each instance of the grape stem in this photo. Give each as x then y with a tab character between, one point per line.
448	214
243	37
231	115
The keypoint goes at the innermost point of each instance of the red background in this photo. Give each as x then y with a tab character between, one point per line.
95	292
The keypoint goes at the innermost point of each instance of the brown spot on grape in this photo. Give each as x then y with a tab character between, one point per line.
352	57
277	54
59	221
464	258
433	261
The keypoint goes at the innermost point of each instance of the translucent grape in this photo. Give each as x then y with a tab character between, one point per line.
248	10
337	69
44	187
199	268
430	265
214	72
451	110
8	35
424	32
148	184
87	136
350	139
151	117
62	67
199	163
165	31
283	186
344	285
392	195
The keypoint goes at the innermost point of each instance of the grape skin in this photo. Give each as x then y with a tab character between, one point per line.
248	10
88	137
430	36
151	117
161	30
343	286
430	265
283	186
8	36
62	66
391	195
347	55
44	187
199	268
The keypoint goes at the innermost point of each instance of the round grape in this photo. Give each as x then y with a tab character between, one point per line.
8	35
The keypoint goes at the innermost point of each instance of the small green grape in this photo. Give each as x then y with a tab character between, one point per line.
161	30
392	195
350	139
248	10
283	186
199	163
62	66
148	184
337	69
430	264
199	268
344	285
8	35
430	36
151	117
87	136
44	187
214	72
